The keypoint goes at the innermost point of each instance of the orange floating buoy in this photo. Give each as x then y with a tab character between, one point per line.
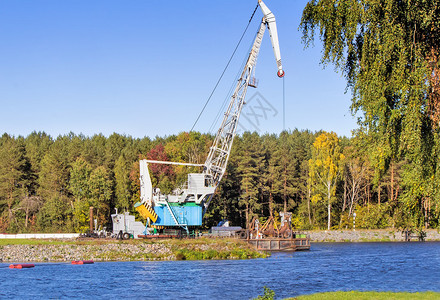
82	262
21	266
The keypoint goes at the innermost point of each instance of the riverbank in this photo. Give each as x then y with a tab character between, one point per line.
366	235
369	295
133	250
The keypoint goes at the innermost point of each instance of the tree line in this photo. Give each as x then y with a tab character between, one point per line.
48	184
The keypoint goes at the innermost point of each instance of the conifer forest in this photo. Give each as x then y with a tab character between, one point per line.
48	184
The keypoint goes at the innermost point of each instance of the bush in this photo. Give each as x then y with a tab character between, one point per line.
268	294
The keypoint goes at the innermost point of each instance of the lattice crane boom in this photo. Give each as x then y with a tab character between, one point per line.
215	164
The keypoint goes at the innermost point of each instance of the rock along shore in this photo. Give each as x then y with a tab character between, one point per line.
137	250
367	235
103	252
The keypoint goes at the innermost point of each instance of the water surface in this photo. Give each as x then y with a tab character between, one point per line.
326	267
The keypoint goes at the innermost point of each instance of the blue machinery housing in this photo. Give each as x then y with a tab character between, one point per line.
189	214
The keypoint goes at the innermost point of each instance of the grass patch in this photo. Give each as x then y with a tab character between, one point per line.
4	242
369	295
369	240
208	248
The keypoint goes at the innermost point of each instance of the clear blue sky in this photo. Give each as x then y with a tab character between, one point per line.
146	68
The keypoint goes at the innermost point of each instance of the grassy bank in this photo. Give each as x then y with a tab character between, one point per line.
130	250
208	248
352	295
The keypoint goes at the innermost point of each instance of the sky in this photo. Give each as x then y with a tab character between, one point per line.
146	68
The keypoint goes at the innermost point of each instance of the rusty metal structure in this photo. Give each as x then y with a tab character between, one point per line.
271	236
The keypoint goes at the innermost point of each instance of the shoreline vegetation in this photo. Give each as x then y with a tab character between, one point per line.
269	294
99	250
368	295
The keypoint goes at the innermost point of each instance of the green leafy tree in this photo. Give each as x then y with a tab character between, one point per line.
301	151
389	52
101	190
55	214
57	206
113	148
79	186
123	182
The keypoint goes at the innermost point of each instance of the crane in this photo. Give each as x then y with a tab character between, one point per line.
187	204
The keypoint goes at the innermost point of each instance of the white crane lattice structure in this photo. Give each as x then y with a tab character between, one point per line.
170	210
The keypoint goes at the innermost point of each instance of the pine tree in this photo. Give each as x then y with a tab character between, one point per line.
250	163
12	174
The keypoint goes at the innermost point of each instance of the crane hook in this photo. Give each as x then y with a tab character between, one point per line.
280	73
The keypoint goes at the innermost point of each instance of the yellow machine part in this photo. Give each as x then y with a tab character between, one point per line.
147	211
157	227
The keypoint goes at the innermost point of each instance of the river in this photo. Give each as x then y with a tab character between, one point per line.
410	267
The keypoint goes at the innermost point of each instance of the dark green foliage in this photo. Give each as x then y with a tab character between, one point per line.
268	294
48	185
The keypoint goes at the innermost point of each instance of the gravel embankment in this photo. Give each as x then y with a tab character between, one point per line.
69	252
381	235
32	250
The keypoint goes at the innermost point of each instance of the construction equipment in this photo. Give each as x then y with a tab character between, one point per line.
125	226
270	229
187	204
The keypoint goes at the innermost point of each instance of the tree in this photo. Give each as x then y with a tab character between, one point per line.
162	175
54	172
356	176
250	162
12	174
56	214
325	166
281	172
100	188
301	150
113	147
389	52
57	205
30	205
271	182
80	189
123	183
36	146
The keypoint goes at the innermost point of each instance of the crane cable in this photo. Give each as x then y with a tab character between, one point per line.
284	105
224	70
231	90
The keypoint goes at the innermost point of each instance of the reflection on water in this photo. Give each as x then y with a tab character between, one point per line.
326	267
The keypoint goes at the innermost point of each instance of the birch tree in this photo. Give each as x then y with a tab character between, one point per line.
325	167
